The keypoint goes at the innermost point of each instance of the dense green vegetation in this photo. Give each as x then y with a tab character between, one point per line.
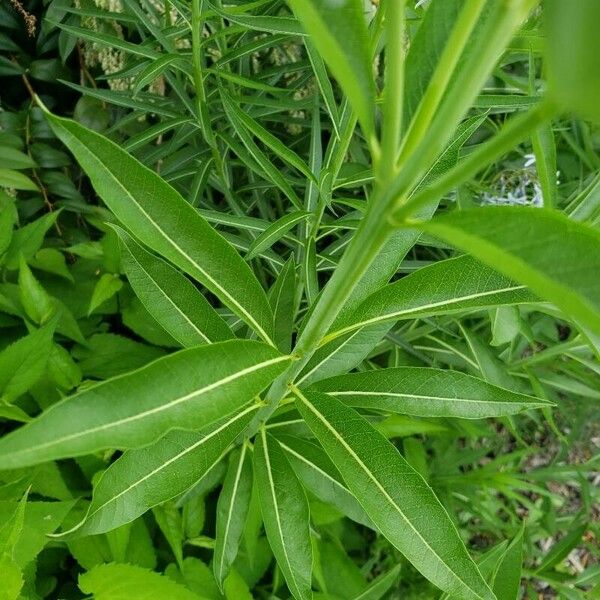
299	299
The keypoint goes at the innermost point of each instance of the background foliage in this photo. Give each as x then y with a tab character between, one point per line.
258	138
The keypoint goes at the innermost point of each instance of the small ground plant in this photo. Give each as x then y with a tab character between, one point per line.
303	302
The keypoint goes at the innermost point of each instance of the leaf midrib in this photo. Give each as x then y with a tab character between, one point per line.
276	507
391	501
157	409
222	290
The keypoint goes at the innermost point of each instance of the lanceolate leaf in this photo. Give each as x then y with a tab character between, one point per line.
394	495
187	390
319	475
338	30
170	297
556	258
285	515
275	232
232	509
425	392
282	297
159	217
145	477
448	286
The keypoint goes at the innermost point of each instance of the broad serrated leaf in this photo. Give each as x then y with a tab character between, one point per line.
106	287
285	514
23	362
555	257
186	390
160	218
232	509
143	478
128	582
170	297
338	30
425	392
397	499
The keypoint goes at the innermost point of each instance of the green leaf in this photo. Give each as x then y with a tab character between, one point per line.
106	287
187	390
128	582
556	258
573	55
448	286
338	29
380	586
275	232
160	218
268	139
319	475
425	392
507	576
24	362
285	515
394	495
282	297
270	170
11	158
35	300
426	48
170	297
276	25
27	240
15	180
143	478
232	509
107	355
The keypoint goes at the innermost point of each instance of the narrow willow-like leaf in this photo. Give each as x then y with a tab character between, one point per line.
282	298
393	253
146	477
319	475
159	217
285	515
187	390
276	25
425	392
275	232
555	257
170	297
397	499
426	48
448	286
232	509
343	353
507	574
338	30
270	170
268	139
380	586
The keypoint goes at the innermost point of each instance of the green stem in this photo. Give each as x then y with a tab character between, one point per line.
442	75
394	81
496	31
517	129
